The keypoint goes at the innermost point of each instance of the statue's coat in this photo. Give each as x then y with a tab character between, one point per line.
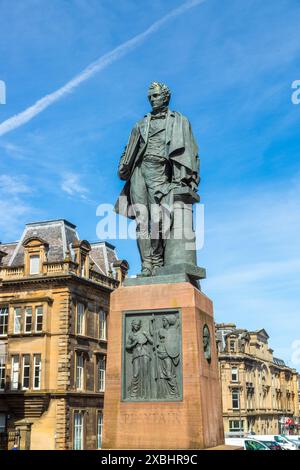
182	152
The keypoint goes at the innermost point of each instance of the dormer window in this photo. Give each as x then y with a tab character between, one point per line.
34	264
81	250
83	266
35	254
232	345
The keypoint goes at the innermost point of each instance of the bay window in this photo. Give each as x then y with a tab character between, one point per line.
102	325
15	372
37	369
79	371
39	319
101	373
28	320
78	430
80	319
2	373
235	394
17	320
26	372
3	320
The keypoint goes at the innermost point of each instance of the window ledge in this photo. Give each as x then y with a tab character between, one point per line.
26	335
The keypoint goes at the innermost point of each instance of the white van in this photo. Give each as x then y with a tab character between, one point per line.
282	440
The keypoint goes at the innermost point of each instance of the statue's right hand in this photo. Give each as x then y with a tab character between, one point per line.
124	172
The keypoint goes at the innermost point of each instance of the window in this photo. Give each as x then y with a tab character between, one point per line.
37	369
15	372
234	374
99	429
28	320
26	371
102	325
80	319
79	371
3	320
235	394
2	422
39	319
2	373
101	374
34	264
232	345
236	425
17	320
82	267
78	430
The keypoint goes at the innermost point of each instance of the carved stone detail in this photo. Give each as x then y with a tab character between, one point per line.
206	343
152	357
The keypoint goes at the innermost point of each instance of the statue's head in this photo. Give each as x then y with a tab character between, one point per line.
136	324
206	336
172	320
159	95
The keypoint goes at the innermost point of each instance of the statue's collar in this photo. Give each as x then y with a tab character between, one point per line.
168	112
145	124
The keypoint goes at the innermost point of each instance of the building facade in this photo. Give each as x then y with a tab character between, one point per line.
54	304
259	392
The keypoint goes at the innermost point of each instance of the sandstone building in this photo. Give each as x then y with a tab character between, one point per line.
259	392
54	302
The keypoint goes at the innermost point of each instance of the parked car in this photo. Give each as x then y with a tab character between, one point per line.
246	443
282	440
273	445
293	438
253	444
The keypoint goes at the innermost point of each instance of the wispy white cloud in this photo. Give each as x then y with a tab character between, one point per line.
13	150
253	273
247	275
13	214
101	63
72	186
13	185
14	208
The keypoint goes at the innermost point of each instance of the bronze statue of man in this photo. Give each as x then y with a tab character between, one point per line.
161	155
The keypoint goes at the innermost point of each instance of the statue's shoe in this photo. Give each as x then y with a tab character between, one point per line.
145	272
155	270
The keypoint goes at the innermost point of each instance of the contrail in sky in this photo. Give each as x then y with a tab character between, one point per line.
105	60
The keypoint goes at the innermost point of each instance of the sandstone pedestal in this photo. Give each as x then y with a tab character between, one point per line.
194	421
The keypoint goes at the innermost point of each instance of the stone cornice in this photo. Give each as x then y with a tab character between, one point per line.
15	300
58	278
51	394
246	413
244	357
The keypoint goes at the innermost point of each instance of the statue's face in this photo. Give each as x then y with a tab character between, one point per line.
157	99
136	325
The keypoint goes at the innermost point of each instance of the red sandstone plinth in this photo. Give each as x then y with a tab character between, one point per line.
196	421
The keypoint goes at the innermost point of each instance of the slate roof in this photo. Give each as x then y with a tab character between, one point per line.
8	248
59	234
104	255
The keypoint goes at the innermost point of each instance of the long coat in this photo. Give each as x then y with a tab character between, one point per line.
182	152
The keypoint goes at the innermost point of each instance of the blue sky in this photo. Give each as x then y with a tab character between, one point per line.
230	65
